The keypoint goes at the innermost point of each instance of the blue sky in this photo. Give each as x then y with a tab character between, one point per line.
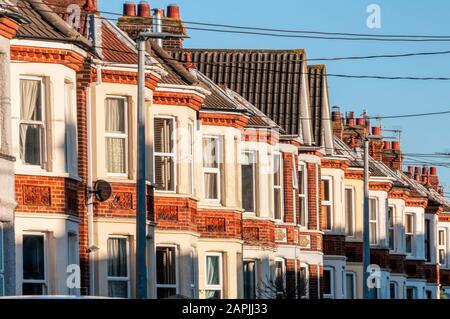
420	135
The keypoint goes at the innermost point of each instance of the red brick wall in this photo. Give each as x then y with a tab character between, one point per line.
288	188
312	195
315	274
334	245
258	232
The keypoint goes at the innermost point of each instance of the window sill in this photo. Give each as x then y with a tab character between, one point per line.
42	172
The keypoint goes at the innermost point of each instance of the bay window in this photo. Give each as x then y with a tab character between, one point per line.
34	263
164	154
211	168
302	195
32	122
214	276
278	187
327	203
409	233
373	221
391	227
442	247
166	272
248	171
118	267
116	136
350	211
249	279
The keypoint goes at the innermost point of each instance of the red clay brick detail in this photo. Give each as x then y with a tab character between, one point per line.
231	120
209	226
178	99
334	245
258	232
69	58
8	28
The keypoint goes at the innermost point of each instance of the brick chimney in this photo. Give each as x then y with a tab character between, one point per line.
376	145
417	174
337	122
392	156
425	176
434	178
171	23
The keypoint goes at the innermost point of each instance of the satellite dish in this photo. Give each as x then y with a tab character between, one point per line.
102	190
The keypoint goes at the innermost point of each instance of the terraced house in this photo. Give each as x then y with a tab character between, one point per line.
255	188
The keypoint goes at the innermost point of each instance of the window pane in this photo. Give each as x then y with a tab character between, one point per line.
165	263
303	285
373	209
210	152
442	257
117	257
301	182
2	285
325	190
409	224
373	233
326	217
32	289
118	289
211	186
212	270
277	170
31	143
165	292
302	210
2	265
391	239
279	276
115	155
248	182
350	286
31	100
33	257
327	282
409	244
349	211
277	203
441	237
393	290
115	115
213	294
164	173
249	280
163	135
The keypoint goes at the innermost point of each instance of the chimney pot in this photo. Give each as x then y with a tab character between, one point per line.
376	130
350	122
129	9
361	122
387	146
144	9
396	146
350	115
90	6
425	171
173	12
411	171
433	171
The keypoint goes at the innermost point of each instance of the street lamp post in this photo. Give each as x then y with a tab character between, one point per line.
141	207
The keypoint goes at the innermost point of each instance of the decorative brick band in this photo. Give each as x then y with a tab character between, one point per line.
334	164
261	136
220	119
178	99
71	59
124	77
8	28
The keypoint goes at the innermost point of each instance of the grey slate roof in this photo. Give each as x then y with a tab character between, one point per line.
269	79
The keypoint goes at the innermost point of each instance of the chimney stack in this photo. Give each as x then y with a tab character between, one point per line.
425	176
411	171
417	176
434	178
337	122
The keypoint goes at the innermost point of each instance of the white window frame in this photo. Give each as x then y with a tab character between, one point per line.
254	155
329	203
303	197
374	221
170	286
412	233
71	117
393	228
124	136
353	208
128	278
280	187
442	246
218	287
43	123
353	275
283	272
45	281
331	270
210	170
414	289
173	154
255	261
193	274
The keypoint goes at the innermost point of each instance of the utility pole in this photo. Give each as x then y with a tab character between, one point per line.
366	229
141	185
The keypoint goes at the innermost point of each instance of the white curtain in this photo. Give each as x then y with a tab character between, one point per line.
115	146
117	257
30	110
211	186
